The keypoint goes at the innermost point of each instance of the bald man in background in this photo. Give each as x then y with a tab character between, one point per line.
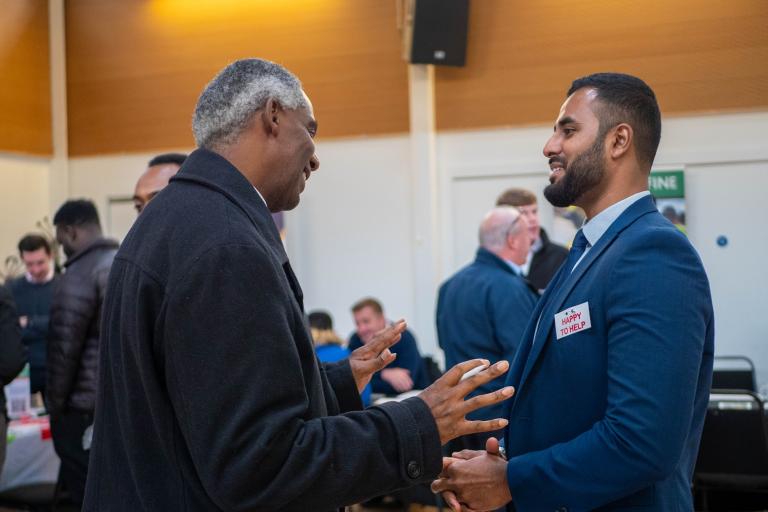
159	171
483	309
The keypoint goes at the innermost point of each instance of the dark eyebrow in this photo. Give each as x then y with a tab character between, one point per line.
564	121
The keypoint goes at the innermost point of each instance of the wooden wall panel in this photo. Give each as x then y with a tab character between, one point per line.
523	54
25	93
135	68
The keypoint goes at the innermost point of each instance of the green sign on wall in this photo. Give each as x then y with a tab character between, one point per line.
667	183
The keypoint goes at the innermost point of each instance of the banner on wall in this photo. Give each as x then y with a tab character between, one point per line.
668	190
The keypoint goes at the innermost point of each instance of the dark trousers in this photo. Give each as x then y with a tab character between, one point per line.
67	430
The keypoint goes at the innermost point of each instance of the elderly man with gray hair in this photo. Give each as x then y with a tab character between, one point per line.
483	309
211	395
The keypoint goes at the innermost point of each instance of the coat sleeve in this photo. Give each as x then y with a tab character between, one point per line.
658	316
72	309
342	382
12	353
237	382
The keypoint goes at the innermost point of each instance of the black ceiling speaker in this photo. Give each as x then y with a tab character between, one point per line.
436	32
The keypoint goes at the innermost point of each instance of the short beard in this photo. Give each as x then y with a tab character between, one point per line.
583	173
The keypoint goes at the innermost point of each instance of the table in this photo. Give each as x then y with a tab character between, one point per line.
30	460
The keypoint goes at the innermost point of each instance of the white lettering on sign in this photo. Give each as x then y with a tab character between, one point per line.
664	182
572	320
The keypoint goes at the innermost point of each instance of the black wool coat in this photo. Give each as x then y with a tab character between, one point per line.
211	396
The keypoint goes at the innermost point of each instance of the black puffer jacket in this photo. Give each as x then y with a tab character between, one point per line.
12	354
73	344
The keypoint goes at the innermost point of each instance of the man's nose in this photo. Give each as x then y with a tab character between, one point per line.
314	163
552	147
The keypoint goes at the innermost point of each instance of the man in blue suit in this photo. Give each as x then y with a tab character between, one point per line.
614	370
483	309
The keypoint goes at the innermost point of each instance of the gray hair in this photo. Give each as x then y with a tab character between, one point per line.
496	226
227	104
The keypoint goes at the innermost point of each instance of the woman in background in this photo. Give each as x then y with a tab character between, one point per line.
329	346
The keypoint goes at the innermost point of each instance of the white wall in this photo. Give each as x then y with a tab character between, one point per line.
23	199
352	234
350	237
109	182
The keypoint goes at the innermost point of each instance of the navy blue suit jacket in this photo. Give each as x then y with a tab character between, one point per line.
610	417
482	311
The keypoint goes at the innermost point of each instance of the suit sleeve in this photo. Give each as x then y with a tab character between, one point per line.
72	310
237	383
659	315
12	353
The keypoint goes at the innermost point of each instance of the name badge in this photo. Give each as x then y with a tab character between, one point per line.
572	320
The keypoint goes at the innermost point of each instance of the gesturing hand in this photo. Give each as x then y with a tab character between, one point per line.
375	355
445	399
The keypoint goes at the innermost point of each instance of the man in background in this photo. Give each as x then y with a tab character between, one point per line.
545	257
12	357
159	171
483	309
73	345
408	371
32	293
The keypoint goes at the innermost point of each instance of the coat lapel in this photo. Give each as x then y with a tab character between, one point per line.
556	300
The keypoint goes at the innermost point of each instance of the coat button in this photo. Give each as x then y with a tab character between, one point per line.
414	470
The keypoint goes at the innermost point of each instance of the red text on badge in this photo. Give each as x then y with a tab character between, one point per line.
572	320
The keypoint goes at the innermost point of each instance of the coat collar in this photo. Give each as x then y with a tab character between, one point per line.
486	257
215	172
554	300
99	243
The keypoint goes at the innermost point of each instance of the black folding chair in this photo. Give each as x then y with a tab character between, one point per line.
733	455
734	372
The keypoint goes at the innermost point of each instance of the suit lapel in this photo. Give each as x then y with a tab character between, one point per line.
556	300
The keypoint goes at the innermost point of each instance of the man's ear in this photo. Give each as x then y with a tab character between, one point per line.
270	117
621	138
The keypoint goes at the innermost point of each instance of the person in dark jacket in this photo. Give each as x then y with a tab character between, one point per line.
407	372
211	397
33	293
483	309
73	344
12	357
545	257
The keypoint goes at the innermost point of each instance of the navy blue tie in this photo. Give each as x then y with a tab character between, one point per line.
578	247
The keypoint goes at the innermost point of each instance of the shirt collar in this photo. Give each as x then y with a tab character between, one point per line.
517	269
597	226
262	197
537	245
47	279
